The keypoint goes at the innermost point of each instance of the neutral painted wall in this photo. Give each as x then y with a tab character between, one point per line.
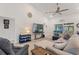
74	18
10	32
18	12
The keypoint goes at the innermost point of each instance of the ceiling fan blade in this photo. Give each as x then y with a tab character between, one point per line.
63	10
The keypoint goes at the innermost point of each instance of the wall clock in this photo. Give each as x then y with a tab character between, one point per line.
29	14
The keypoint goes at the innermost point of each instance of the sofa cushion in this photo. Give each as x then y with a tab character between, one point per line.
60	43
2	52
66	35
6	46
21	50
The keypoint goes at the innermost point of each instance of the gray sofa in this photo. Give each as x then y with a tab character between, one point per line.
6	48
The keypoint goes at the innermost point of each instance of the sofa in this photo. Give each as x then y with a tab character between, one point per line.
7	48
62	41
72	47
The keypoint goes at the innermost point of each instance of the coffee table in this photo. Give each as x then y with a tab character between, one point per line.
41	51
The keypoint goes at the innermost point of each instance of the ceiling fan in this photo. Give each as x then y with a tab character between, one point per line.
58	10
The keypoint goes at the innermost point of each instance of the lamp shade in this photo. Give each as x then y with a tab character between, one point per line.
26	30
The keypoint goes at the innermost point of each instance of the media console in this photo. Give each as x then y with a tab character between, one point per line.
24	38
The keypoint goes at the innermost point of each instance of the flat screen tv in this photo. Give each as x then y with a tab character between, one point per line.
37	28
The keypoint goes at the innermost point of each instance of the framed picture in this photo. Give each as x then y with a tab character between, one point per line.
69	29
6	23
37	28
6	26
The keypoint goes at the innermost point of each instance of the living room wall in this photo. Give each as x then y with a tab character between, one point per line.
18	12
73	18
8	33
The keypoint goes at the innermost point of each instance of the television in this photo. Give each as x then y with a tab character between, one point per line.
58	30
37	28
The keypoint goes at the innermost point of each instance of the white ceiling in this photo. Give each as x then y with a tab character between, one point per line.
51	7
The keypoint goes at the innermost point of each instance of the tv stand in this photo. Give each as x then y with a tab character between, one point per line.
24	38
55	37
